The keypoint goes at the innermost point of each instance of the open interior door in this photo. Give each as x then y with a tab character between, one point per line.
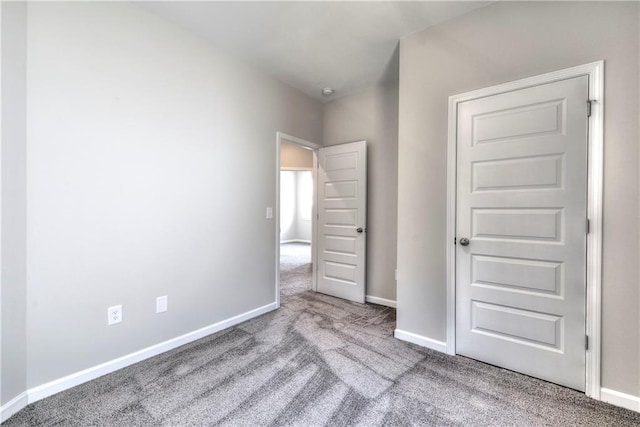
342	220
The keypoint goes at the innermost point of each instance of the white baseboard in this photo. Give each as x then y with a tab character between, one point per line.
295	241
13	406
380	301
420	340
623	400
45	390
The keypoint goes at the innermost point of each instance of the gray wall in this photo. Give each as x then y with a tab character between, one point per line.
13	259
501	43
134	130
373	115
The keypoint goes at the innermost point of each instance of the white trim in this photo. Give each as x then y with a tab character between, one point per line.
13	406
276	219
420	340
8	404
280	138
295	241
452	168
595	177
64	383
623	400
380	301
314	224
295	169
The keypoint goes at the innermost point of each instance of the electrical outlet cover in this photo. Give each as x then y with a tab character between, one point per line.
114	314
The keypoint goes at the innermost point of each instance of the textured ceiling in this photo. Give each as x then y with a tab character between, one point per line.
310	45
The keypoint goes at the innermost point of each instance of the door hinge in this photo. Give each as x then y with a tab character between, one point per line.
587	226
455	240
589	102
586	342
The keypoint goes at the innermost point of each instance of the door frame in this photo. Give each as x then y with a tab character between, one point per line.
595	184
280	138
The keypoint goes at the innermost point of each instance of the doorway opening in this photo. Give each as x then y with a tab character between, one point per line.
295	216
296	201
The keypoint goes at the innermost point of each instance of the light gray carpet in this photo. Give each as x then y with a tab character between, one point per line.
295	268
317	361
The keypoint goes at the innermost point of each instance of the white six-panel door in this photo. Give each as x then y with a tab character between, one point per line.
521	203
342	214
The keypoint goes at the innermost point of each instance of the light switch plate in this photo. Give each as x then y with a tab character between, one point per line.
269	212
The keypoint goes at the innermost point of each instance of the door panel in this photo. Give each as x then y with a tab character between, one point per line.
517	122
521	202
342	203
520	326
518	224
536	172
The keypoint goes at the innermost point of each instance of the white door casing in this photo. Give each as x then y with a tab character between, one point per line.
342	213
521	203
